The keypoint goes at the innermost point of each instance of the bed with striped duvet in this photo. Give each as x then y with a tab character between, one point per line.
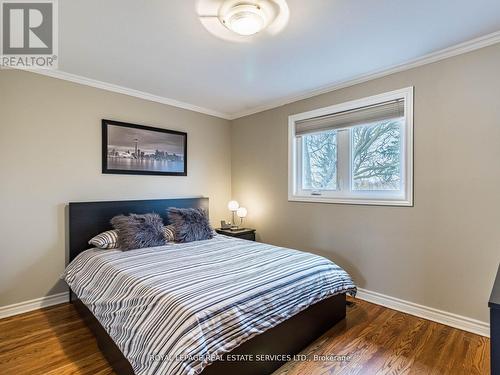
176	308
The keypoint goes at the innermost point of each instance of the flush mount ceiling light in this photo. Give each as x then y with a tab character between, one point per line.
247	19
238	20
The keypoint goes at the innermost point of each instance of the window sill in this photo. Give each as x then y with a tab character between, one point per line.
357	201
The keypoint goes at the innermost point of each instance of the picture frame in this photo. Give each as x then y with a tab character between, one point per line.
142	150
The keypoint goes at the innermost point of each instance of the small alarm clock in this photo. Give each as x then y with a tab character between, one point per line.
225	225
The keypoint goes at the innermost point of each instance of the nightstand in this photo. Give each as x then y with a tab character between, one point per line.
243	233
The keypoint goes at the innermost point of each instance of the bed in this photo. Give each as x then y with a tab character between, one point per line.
219	306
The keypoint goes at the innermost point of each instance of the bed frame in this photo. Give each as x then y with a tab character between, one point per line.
86	219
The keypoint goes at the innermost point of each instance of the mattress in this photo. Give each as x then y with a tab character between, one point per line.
175	309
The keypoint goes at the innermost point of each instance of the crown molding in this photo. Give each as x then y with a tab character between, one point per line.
59	74
458	49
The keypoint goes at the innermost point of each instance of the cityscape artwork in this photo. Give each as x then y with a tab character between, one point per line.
137	149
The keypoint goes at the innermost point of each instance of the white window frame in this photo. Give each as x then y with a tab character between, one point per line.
344	194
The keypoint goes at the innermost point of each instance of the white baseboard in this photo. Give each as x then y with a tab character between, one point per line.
34	304
453	320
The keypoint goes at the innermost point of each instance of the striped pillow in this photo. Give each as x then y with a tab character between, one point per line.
106	240
169	233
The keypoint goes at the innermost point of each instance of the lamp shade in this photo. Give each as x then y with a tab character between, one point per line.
233	205
242	212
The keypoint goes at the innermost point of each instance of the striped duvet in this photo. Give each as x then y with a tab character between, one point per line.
176	308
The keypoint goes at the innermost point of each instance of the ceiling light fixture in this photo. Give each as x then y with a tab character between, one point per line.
243	20
246	19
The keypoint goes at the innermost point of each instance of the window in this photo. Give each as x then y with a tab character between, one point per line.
360	152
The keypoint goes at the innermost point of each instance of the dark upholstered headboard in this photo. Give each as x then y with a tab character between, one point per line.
87	219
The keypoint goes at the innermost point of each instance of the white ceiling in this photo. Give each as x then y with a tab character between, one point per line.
161	48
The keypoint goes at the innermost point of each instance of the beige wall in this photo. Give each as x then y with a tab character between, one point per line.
442	253
50	154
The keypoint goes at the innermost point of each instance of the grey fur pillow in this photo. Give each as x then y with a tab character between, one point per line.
138	231
191	224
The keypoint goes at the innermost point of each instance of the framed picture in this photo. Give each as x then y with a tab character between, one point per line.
137	149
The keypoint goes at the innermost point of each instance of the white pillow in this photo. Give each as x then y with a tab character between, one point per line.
106	240
109	239
169	233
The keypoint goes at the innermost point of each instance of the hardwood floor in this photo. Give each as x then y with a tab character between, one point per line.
376	339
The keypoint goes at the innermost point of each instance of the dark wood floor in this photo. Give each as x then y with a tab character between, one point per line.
376	339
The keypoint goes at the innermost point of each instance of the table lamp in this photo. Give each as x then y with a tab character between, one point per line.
233	207
242	213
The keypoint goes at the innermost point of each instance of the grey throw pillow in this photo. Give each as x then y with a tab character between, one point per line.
138	231
191	224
